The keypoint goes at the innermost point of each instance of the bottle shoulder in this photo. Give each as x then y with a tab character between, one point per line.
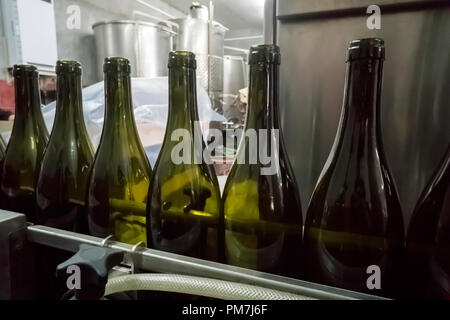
431	216
25	149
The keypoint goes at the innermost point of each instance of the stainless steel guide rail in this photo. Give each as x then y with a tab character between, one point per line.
162	262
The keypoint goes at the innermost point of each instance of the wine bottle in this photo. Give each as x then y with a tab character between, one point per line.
64	175
2	154
262	208
428	239
184	198
117	192
354	225
2	148
26	146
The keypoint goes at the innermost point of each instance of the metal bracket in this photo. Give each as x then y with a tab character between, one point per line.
17	279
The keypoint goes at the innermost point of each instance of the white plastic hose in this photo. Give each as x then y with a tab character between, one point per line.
205	287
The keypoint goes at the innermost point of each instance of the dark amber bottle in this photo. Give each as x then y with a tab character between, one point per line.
354	225
428	241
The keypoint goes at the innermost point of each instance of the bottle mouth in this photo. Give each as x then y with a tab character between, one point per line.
67	66
369	48
21	70
182	59
117	65
265	53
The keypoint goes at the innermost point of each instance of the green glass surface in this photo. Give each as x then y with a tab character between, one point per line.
263	215
26	146
184	199
118	187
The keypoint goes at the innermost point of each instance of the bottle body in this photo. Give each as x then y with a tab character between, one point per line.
63	178
428	241
354	224
120	175
184	198
26	146
263	217
2	155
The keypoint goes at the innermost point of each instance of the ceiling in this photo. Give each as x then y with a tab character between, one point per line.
242	17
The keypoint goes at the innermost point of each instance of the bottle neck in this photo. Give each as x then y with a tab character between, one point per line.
182	99
262	110
119	114
69	106
360	120
27	98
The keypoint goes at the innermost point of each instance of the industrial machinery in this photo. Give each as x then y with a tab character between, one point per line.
115	265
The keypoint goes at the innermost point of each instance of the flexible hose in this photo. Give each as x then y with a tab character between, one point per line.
205	287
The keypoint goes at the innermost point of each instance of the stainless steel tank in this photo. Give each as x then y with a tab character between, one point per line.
216	52
233	81
234	74
193	35
198	11
205	38
145	44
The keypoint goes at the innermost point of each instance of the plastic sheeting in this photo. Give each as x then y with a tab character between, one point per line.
150	103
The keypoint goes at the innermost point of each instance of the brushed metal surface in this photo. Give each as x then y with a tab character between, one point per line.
193	35
234	74
216	52
415	99
205	38
198	11
146	45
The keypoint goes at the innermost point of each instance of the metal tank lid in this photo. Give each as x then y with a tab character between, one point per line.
135	22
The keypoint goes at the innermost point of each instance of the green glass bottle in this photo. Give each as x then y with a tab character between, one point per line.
26	146
2	154
184	197
262	208
2	148
64	175
117	193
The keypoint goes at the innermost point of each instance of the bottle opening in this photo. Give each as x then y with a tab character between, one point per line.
67	66
265	53
24	70
369	48
117	65
182	59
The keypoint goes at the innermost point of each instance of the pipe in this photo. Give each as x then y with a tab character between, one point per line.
146	15
205	287
148	5
236	49
244	38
